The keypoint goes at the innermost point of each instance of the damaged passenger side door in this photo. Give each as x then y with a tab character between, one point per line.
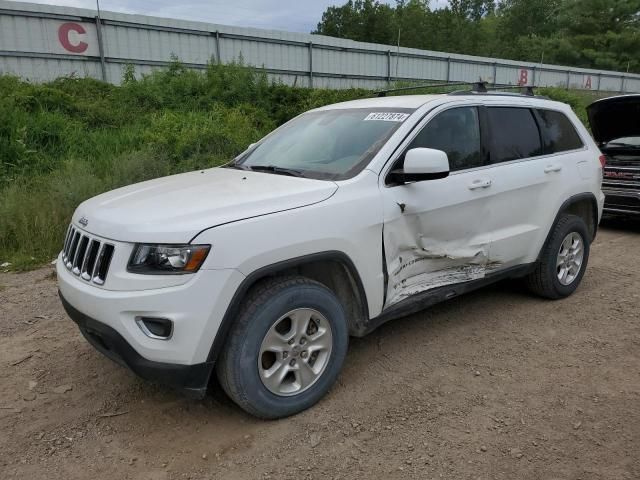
435	231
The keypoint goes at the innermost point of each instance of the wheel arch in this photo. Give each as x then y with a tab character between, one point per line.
334	269
583	205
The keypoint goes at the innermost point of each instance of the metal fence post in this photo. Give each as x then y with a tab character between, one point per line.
448	69
599	80
495	73
622	84
218	47
389	67
103	66
310	64
568	79
533	81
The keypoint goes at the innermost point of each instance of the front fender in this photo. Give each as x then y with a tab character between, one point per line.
349	222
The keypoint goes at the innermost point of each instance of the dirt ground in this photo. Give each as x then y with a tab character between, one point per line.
494	385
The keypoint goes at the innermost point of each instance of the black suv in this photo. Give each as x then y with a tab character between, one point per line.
615	124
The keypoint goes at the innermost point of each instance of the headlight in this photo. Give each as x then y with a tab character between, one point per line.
167	259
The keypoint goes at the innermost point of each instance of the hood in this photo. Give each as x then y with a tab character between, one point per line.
175	209
615	117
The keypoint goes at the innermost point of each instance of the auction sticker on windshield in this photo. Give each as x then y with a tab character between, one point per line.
387	116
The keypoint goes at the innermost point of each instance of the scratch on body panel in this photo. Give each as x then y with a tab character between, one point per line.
427	263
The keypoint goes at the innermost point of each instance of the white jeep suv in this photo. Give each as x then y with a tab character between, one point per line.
344	218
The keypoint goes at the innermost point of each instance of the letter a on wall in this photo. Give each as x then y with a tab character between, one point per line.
587	82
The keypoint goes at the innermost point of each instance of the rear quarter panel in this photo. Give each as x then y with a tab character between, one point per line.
581	174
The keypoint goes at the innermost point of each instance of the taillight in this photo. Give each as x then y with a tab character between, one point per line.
603	160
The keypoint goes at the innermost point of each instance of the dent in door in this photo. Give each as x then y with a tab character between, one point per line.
419	259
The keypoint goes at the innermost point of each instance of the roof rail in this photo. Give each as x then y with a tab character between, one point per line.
528	91
479	87
383	93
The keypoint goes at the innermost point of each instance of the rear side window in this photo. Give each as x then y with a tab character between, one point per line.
558	133
457	133
514	134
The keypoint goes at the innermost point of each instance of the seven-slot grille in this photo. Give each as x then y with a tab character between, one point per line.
86	257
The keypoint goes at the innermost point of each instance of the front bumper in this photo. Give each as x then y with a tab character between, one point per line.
195	307
622	202
192	379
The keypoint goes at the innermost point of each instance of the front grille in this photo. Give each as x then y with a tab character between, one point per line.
86	257
622	172
620	201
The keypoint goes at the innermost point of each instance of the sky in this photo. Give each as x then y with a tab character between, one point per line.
290	15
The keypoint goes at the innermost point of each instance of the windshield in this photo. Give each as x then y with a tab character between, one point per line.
330	144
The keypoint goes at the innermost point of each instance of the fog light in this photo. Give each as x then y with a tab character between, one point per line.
156	328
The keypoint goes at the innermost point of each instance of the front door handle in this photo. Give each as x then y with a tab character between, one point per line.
552	168
480	183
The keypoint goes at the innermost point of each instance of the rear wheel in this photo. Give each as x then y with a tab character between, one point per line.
285	349
563	261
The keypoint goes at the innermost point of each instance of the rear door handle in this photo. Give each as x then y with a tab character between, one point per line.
480	183
552	168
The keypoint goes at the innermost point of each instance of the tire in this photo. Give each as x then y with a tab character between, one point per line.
274	308
544	280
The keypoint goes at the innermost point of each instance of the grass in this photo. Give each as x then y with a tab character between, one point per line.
68	140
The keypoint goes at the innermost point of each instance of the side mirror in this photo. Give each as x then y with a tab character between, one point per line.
251	146
422	164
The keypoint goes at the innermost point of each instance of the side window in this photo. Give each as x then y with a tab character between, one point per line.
514	134
559	134
457	133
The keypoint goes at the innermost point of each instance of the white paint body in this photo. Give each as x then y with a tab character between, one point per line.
450	231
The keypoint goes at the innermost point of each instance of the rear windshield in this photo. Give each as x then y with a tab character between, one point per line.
330	144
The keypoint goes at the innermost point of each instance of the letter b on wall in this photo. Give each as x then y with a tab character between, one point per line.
523	78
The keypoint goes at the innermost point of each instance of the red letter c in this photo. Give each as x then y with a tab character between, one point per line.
63	36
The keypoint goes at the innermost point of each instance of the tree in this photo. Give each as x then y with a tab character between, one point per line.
601	34
598	17
411	20
474	10
604	33
363	20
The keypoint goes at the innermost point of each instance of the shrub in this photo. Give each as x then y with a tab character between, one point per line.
219	132
14	153
35	211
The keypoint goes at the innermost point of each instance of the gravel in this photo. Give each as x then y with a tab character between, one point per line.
553	393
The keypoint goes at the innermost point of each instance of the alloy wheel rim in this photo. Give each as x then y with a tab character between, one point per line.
570	258
295	352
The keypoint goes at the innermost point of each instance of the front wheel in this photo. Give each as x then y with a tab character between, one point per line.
563	260
286	348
